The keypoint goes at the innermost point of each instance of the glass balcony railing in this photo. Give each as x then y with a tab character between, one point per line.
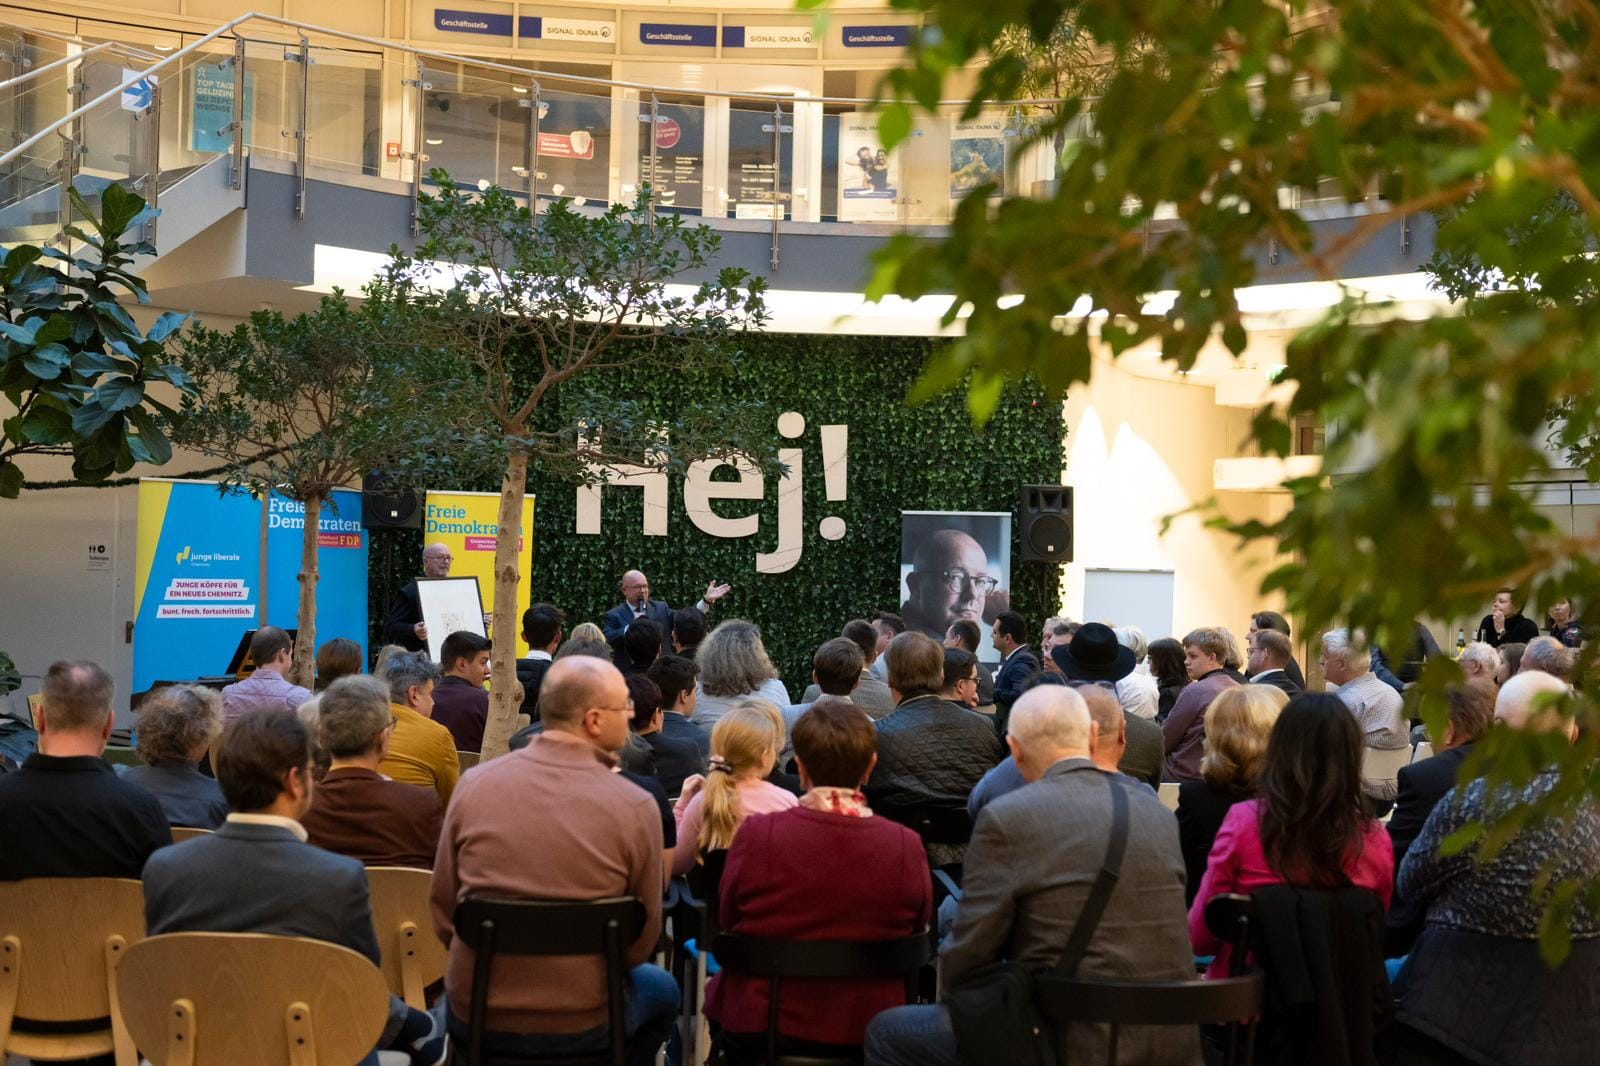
338	107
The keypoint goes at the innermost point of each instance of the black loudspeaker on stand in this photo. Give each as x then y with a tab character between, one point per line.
1045	523
384	507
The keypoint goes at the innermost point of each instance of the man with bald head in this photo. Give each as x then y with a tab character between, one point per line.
554	821
1033	856
1485	911
404	625
636	604
949	580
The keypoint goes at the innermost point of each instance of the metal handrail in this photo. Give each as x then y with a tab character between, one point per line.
63	61
71	38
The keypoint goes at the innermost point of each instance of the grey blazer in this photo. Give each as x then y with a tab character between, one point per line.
1033	857
259	879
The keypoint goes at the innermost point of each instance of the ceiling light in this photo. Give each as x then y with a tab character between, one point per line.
435	140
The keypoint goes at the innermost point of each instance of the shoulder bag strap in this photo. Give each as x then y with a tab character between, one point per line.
1104	882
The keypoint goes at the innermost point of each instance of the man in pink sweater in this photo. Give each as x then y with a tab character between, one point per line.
553	821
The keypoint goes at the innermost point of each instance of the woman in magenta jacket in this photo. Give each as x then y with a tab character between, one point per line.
1310	825
825	870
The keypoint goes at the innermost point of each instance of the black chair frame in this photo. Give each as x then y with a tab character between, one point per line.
1234	1001
777	960
1230	918
547	928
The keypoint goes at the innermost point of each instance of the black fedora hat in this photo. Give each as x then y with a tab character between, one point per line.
1093	655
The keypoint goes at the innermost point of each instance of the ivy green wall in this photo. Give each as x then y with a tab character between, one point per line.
901	458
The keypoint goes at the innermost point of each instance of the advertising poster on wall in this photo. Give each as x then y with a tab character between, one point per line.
197	578
579	144
955	565
212	112
978	155
466	523
341	566
679	173
869	174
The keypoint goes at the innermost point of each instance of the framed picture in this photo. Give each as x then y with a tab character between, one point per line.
449	605
955	565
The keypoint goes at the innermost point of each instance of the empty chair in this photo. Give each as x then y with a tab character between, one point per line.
1383	764
413	958
241	999
1233	1001
817	959
60	940
1168	792
549	927
467	759
180	833
1423	750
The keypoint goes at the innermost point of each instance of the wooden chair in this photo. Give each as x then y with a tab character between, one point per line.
248	999
1422	751
180	833
60	941
413	958
602	927
118	755
1168	794
1233	1001
467	759
1383	764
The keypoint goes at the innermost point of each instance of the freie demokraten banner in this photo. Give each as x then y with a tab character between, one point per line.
199	571
467	524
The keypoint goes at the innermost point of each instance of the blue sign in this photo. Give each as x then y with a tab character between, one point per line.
213	106
672	34
341	566
139	95
530	26
877	36
471	22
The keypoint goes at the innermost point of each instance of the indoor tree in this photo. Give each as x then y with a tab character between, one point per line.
536	306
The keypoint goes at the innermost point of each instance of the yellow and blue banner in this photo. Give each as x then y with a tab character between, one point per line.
341	566
467	523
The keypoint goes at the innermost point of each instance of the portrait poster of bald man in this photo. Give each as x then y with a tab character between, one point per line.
955	565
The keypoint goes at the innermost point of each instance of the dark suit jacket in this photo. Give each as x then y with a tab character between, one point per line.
677	726
620	617
1201	809
74	817
404	613
1144	754
677	757
259	879
1281	679
1009	681
1421	786
531	673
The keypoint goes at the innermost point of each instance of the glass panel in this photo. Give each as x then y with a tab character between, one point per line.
272	95
116	135
755	188
575	146
928	174
678	180
30	197
476	129
830	167
344	124
196	109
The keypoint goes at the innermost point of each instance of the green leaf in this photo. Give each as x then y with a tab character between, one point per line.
89	418
168	324
118	393
10	480
47	425
894	124
22	334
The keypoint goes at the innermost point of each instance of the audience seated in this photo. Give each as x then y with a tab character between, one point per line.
355	810
541	631
930	752
1167	667
1033	854
641	644
869	692
1480	661
272	650
1138	692
588	632
1475	982
886	625
1124	744
688	630
1547	655
676	757
338	657
1311	827
1268	661
1183	733
1278	624
1017	663
176	727
65	812
421	751
1238	724
460	702
711	807
1422	785
825	870
597	836
676	677
1379	710
257	874
734	667
965	635
837	668
961	672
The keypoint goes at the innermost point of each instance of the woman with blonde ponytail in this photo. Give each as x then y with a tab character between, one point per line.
744	747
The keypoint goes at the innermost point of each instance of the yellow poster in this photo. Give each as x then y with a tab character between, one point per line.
466	522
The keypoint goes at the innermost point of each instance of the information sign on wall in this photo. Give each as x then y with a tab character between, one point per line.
767	37
213	106
677	35
869	174
494	25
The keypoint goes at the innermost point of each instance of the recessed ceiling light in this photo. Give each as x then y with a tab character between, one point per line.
435	140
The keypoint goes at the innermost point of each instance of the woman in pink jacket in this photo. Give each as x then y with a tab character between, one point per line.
1309	826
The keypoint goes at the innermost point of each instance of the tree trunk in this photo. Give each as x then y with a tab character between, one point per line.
305	642
503	703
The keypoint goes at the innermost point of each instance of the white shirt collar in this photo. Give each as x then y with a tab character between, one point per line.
538	653
1264	673
272	819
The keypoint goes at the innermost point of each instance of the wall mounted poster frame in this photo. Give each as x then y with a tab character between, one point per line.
449	605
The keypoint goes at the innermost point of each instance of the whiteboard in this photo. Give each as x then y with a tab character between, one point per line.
1140	598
